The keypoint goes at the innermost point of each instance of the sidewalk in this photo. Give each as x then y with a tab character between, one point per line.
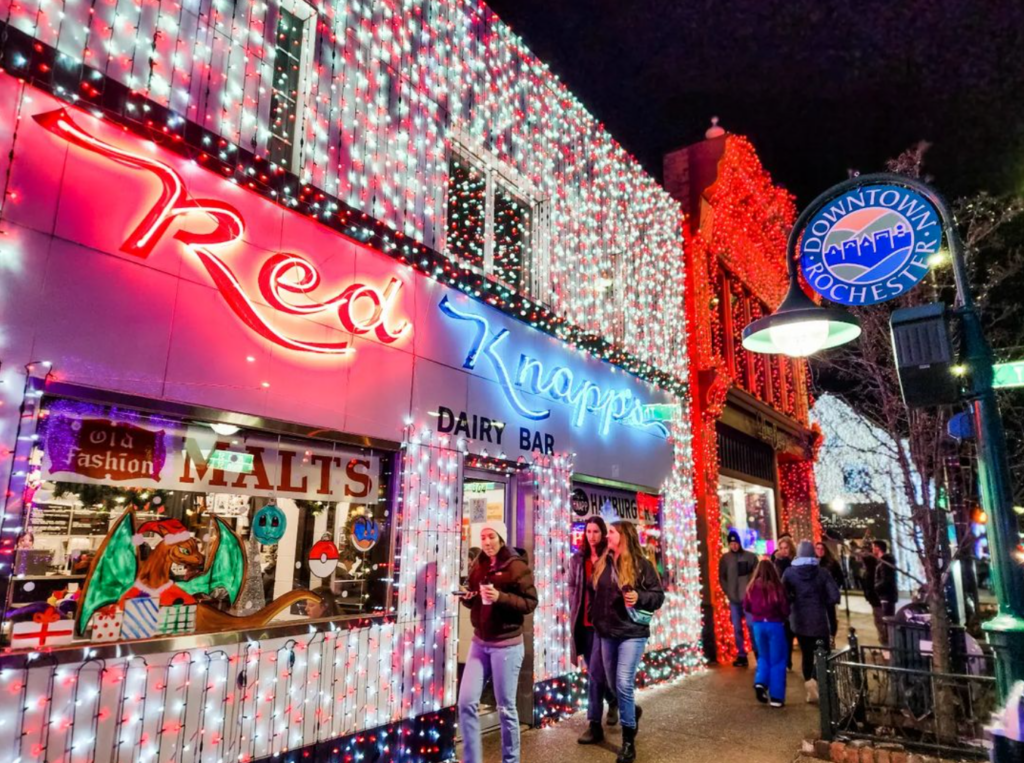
708	718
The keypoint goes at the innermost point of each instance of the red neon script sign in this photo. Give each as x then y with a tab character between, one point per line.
286	281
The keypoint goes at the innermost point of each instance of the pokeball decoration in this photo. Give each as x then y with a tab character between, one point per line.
323	558
365	533
269	525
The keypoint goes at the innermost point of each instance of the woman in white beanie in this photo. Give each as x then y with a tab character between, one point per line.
499	594
811	592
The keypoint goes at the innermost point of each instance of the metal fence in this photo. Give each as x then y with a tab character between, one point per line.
895	695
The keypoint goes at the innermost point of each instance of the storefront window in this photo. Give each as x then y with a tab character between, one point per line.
141	525
750	510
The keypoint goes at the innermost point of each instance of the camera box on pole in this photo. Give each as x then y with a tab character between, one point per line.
924	356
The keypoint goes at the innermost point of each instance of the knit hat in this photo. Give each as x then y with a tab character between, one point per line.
805	550
498	527
734	537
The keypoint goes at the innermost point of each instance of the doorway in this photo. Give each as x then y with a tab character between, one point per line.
488	496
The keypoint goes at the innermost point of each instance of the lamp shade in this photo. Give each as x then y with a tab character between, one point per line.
800	328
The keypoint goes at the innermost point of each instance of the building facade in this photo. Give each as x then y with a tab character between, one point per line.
295	297
753	444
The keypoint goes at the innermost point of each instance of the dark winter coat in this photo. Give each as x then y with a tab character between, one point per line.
734	571
513	578
812	592
577	587
782	563
608	611
886	586
870	564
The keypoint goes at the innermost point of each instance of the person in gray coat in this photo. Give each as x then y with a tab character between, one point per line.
812	593
734	571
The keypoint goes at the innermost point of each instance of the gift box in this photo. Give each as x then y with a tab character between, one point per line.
106	624
140	618
177	619
45	629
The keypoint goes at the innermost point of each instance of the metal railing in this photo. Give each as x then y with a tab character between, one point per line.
892	695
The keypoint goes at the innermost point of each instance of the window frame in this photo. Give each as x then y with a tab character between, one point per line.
306	14
189	412
535	265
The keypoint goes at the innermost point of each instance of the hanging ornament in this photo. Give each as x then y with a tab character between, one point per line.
323	557
365	533
269	525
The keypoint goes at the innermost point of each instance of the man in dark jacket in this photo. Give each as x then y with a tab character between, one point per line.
886	588
734	571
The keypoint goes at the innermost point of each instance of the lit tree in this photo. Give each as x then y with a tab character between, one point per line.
864	375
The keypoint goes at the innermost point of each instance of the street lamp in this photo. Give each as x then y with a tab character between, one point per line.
799	327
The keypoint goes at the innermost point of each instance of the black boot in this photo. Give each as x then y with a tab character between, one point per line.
639	713
613	714
593	735
628	752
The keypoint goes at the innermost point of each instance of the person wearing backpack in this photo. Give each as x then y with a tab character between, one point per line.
811	592
627	591
767	610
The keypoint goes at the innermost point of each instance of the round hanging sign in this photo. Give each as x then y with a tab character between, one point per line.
870	245
365	533
268	525
323	558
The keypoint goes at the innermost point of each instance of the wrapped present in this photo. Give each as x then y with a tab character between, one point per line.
177	619
106	624
140	618
43	630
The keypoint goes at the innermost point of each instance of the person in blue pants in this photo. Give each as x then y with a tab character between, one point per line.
767	609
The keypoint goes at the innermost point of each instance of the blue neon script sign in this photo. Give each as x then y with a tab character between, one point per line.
557	383
870	244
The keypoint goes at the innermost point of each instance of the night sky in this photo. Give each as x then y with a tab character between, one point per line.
819	86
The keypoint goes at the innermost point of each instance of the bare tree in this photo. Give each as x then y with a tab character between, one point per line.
864	375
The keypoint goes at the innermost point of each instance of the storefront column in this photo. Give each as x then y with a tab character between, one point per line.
799	511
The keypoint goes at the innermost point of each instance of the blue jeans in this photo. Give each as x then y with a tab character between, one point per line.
501	665
597	683
736	611
621	658
772	656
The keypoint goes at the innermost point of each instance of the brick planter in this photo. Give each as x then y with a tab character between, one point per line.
864	751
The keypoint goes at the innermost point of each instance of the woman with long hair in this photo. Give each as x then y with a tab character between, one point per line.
584	644
627	591
767	608
499	594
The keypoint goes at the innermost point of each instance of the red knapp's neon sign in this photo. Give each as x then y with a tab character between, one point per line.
282	277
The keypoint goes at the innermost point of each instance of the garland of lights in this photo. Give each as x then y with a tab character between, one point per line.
742	243
162	73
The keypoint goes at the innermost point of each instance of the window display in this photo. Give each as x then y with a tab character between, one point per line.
141	525
750	510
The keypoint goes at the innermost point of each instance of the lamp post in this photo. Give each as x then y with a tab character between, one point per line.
799	328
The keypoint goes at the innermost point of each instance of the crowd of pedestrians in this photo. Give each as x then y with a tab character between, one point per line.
614	591
794	595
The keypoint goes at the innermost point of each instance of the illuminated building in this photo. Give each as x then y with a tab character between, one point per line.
754	446
294	296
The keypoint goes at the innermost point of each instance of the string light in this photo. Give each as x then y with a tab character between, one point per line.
737	269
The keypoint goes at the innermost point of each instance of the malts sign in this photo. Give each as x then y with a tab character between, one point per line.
167	456
287	282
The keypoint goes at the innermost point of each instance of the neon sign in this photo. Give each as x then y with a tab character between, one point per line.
558	383
286	281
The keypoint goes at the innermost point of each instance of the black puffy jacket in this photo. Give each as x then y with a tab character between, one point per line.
608	611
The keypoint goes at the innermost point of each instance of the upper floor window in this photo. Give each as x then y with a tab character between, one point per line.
493	221
293	39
